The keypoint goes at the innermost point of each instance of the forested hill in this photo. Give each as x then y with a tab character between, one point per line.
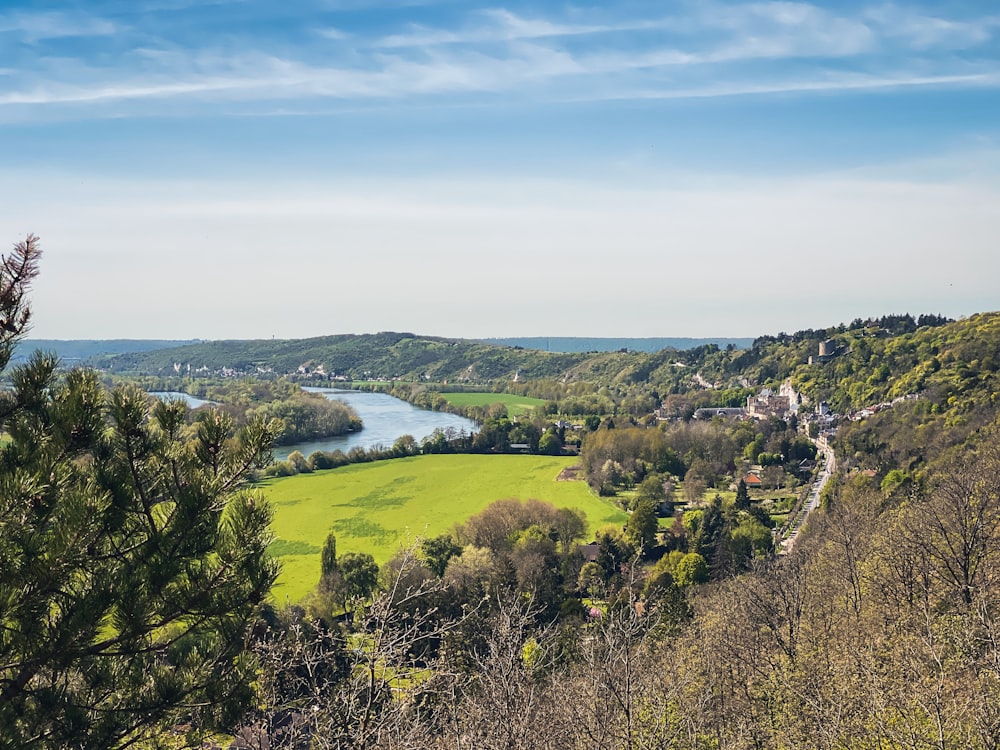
867	362
356	356
77	350
581	344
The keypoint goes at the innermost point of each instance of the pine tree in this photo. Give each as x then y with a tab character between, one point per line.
132	553
742	501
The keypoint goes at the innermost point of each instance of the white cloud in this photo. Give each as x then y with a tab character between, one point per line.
714	49
333	33
922	32
833	83
501	25
33	27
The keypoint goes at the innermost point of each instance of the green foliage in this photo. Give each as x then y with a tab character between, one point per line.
133	560
651	488
622	457
549	444
437	551
380	356
642	526
359	573
328	558
613	552
742	501
308	416
692	569
748	540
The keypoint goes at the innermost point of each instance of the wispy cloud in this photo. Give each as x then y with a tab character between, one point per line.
500	25
843	82
921	31
31	27
712	49
333	33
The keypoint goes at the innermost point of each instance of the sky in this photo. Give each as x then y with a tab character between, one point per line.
255	169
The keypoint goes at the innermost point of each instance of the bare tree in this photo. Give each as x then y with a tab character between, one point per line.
501	702
369	688
958	525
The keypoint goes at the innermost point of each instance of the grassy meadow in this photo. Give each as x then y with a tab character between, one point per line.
516	405
377	507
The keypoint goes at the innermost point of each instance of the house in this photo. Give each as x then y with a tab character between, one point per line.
794	398
662	413
727	412
753	480
589	551
767	404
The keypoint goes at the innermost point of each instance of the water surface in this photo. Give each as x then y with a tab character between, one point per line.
191	401
385	419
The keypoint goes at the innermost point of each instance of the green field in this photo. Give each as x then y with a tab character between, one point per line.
377	507
516	405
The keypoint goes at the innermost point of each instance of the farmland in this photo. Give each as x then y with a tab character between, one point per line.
516	405
376	507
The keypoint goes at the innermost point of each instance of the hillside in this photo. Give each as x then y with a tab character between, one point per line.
950	363
356	356
578	344
77	350
407	356
953	363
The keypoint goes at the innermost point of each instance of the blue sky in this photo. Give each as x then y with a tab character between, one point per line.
249	169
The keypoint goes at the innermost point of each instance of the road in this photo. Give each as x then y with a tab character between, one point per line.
812	502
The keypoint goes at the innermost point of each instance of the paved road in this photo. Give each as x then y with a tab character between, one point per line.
812	502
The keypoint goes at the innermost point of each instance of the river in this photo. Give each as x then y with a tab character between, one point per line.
385	419
191	401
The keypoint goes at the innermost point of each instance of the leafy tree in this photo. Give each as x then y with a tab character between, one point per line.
537	567
405	445
569	525
550	444
642	526
437	551
749	539
651	488
691	569
320	460
497	525
296	459
694	487
591	579
133	560
359	572
308	416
